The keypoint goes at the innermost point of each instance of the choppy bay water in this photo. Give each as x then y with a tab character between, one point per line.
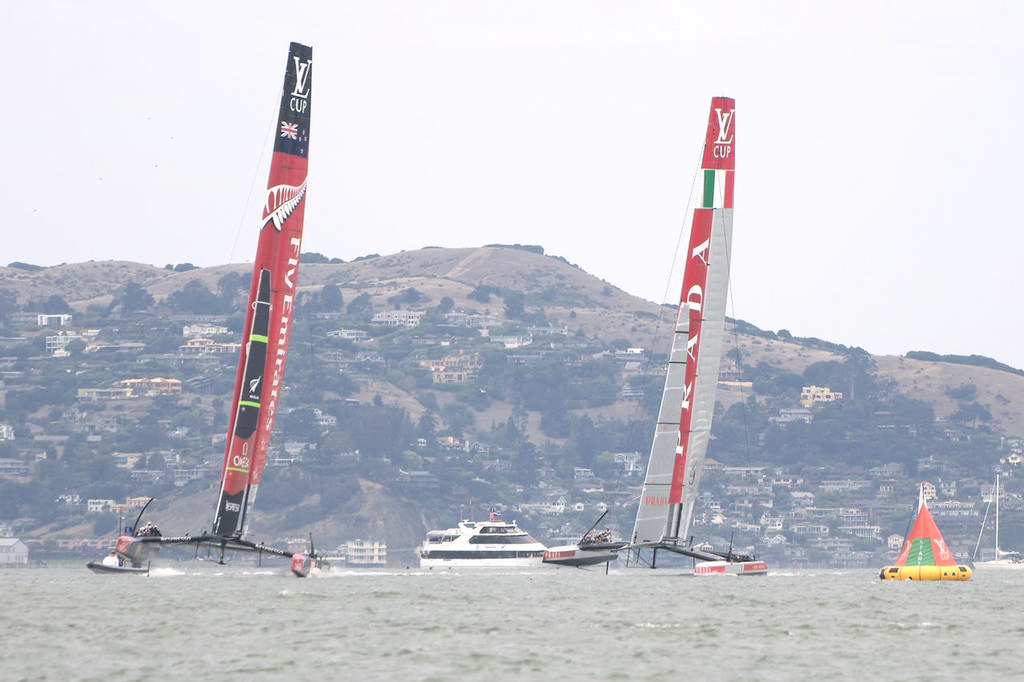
632	624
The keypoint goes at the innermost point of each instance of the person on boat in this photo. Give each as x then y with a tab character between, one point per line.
148	530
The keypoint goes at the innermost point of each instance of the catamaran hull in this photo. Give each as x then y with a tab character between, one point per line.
731	568
100	567
577	556
117	563
136	550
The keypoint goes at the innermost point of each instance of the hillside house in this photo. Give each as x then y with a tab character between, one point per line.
98	506
812	395
365	553
104	393
418	479
453	369
324	419
630	463
512	342
928	490
130	506
57	343
349	334
472	320
185	475
843	485
13	553
729	371
802	498
9	466
21	320
793	414
811	529
890	470
152	387
398	318
954	508
201	345
202	329
582	473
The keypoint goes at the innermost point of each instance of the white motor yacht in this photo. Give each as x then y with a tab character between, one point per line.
484	544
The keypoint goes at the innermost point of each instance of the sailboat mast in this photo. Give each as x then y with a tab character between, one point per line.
271	303
997	516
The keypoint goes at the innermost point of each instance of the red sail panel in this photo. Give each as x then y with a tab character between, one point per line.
271	302
691	302
924	545
720	142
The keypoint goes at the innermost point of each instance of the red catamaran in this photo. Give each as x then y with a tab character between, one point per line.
264	341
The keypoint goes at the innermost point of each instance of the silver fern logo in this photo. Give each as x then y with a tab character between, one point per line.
282	200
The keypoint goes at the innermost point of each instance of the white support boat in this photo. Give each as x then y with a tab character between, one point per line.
481	544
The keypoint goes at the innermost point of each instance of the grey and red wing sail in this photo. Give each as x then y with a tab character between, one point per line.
684	419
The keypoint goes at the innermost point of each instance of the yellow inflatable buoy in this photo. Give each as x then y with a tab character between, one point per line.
925	573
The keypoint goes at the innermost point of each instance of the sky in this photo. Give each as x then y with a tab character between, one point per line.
878	144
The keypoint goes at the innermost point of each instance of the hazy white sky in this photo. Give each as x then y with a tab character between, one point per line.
879	144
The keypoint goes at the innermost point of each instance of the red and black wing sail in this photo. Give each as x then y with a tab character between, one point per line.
271	303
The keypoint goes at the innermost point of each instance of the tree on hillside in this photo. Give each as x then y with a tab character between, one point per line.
56	305
971	413
134	297
331	299
360	305
8	303
195	298
483	293
232	287
515	304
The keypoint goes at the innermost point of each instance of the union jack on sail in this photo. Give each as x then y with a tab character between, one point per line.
290	130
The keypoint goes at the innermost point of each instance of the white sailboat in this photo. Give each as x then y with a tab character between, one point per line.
1001	558
683	428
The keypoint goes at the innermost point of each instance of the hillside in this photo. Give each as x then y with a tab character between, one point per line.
579	325
567	295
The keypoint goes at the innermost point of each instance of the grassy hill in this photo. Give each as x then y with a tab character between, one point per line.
479	280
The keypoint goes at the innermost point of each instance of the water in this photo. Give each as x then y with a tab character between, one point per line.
203	622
